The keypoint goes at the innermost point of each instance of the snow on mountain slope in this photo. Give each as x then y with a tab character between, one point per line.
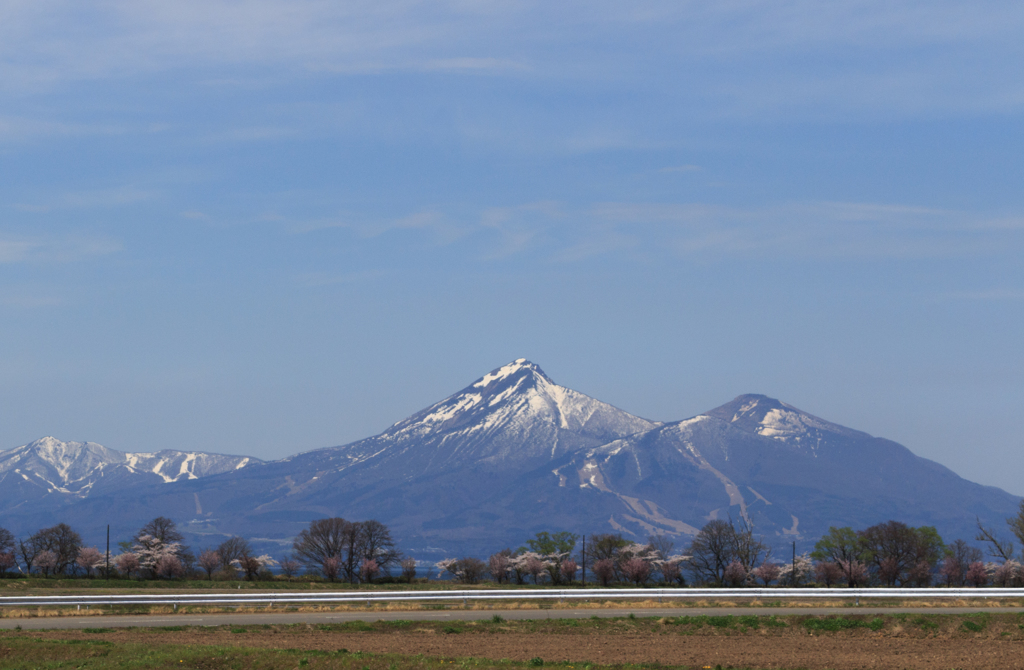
513	417
768	417
76	469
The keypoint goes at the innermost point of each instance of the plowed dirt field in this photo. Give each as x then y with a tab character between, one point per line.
938	643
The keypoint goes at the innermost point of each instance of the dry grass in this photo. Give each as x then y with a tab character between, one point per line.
456	603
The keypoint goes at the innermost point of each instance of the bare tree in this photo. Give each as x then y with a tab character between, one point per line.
1016	523
959	556
376	544
325	538
409	569
249	565
290	567
718	544
6	541
998	548
63	542
662	546
234	549
160	528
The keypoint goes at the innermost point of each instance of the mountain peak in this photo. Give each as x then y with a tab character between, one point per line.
516	368
768	417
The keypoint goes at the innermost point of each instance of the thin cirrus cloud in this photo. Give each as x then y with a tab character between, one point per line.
42	250
742	57
801	230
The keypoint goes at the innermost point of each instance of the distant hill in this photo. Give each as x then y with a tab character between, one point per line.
514	453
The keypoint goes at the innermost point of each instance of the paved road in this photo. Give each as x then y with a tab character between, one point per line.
239	619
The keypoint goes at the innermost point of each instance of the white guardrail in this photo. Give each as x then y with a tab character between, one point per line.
271	598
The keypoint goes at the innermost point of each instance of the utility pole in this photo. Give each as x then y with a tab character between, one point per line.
583	557
794	563
108	551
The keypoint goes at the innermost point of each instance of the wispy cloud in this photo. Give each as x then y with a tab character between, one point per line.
88	199
742	56
41	250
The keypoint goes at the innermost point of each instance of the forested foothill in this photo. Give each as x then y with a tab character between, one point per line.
723	553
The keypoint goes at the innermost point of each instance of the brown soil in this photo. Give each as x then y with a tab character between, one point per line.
793	647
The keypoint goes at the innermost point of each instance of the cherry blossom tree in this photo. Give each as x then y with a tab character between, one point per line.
209	561
636	570
920	574
46	561
127	563
331	567
368	569
169	567
499	565
604	570
671	572
977	575
889	571
767	572
828	572
7	562
951	570
795	573
854	572
569	568
1008	574
735	574
150	550
535	568
90	558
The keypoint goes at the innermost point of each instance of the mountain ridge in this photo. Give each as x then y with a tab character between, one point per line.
514	453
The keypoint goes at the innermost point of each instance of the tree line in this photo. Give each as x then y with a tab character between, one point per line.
355	551
728	554
723	553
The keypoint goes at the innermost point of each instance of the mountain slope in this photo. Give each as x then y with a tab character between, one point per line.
789	473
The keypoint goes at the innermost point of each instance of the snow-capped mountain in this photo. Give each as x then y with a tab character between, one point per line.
511	419
60	472
788	473
514	453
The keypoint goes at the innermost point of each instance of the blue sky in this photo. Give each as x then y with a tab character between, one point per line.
268	227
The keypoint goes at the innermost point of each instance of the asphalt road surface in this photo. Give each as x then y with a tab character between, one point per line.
283	617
